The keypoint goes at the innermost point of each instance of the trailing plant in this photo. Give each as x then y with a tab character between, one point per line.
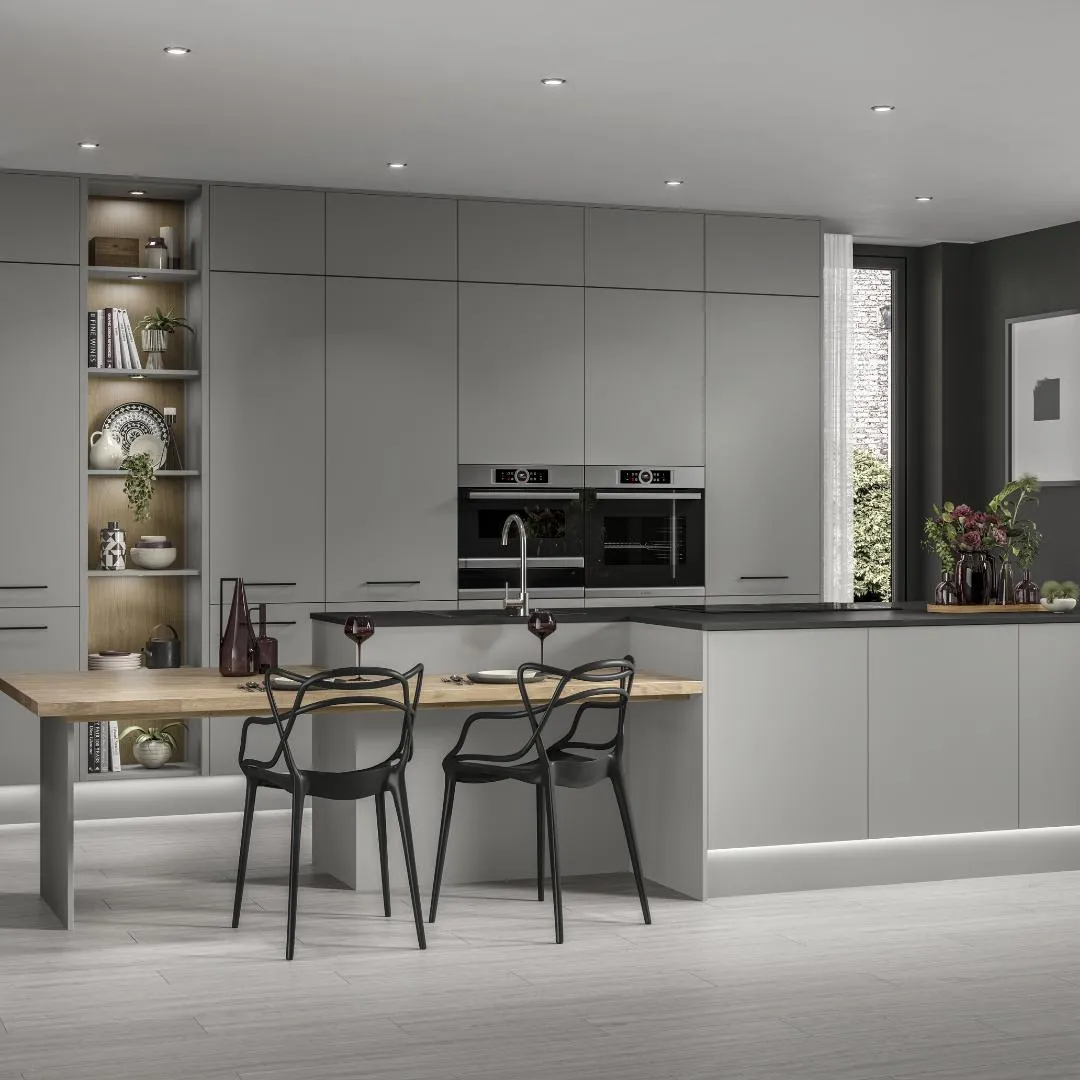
168	322
872	488
1060	590
139	484
152	734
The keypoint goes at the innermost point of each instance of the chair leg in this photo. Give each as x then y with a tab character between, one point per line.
401	804
444	836
384	858
245	844
631	842
299	797
553	852
539	843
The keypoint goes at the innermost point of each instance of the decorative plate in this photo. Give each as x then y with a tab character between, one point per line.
149	444
133	419
502	675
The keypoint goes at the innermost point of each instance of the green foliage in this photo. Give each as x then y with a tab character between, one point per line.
1060	590
167	322
139	484
1023	535
872	488
152	734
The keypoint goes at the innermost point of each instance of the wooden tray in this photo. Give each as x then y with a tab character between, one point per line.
984	609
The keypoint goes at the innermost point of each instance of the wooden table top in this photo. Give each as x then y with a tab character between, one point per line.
188	692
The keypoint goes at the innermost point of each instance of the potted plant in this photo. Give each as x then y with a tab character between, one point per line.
966	539
153	747
1059	595
1022	535
139	484
156	329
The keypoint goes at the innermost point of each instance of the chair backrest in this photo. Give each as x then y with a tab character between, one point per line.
598	684
376	687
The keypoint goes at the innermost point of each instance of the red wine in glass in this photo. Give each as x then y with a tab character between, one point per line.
542	624
359	628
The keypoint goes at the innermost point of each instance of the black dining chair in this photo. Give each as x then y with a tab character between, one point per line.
342	688
568	762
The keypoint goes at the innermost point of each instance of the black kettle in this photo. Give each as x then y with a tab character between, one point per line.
162	652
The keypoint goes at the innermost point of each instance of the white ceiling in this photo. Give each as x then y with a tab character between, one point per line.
762	105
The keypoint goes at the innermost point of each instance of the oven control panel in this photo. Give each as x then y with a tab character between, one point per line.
521	475
637	477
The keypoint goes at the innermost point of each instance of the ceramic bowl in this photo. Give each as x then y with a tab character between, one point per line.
1062	604
152	558
153	541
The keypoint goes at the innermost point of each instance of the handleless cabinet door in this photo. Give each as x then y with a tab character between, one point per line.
39	218
763	441
267	230
391	429
644	378
522	375
644	249
762	255
521	243
267	435
31	639
291	625
39	436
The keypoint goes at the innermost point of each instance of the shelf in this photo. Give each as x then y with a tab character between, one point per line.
170	572
127	273
153	376
174	770
161	473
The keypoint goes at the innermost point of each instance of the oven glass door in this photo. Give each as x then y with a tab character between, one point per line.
552	523
645	540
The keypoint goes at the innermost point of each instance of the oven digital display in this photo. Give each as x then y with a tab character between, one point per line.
521	476
645	476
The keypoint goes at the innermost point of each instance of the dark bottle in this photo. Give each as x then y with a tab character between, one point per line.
266	648
237	647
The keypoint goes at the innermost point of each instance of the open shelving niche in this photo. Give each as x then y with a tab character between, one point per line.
121	608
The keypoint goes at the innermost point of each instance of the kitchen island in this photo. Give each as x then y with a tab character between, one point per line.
830	747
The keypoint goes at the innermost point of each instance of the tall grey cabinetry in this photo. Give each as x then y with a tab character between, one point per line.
763	461
39	522
391	440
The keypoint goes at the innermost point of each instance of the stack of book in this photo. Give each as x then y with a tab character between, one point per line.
103	746
112	340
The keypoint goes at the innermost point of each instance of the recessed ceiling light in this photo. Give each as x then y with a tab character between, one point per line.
552	80
882	108
397	164
924	198
177	50
136	277
89	145
674	183
136	192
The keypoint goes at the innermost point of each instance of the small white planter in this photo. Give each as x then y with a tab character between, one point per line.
152	754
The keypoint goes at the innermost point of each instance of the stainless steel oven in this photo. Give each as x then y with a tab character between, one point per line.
644	533
548	498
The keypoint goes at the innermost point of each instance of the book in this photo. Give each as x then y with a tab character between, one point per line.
111	360
119	344
91	352
93	746
114	746
129	337
100	324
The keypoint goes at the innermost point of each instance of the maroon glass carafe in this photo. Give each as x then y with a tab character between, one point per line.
237	647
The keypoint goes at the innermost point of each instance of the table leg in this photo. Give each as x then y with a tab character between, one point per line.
58	818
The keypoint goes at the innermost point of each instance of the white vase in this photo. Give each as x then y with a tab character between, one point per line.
152	753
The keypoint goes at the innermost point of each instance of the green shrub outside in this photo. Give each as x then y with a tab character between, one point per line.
872	489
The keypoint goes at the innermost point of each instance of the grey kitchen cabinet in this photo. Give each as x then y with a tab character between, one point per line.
31	639
774	255
521	243
936	769
392	345
267	434
391	236
644	249
521	371
644	378
267	230
39	218
1049	733
763	469
291	625
787	737
40	444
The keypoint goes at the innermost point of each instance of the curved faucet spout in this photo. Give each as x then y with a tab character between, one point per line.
521	602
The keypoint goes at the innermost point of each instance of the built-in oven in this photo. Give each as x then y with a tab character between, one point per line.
548	499
644	533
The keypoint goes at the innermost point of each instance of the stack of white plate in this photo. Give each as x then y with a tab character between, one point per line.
111	660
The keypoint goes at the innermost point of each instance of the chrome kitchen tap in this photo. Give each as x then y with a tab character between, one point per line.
521	602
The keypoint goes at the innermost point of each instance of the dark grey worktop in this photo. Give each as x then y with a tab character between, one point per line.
742	617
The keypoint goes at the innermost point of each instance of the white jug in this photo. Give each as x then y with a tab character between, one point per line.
106	451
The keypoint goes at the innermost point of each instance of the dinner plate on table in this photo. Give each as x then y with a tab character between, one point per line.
503	675
283	682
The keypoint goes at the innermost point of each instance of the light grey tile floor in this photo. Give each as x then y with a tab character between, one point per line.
967	980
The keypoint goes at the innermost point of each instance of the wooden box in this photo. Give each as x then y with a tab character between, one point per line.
114	251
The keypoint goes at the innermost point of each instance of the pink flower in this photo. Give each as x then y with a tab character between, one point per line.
963	511
971	540
999	536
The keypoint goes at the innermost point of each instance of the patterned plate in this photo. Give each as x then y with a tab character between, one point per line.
132	419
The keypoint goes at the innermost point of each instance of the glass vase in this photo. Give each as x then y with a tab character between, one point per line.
975	578
946	593
1026	591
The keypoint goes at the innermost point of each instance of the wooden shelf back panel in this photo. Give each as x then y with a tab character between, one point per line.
139	218
123	611
140	298
107	502
104	395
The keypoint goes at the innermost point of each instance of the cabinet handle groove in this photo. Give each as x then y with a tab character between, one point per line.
281	622
764	577
21	588
269	584
417	582
2	628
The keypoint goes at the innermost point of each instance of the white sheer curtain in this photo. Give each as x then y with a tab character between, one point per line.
839	507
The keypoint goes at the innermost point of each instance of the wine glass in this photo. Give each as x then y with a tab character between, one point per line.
359	628
541	625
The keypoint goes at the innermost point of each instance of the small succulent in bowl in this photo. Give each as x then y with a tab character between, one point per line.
152	746
1059	596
